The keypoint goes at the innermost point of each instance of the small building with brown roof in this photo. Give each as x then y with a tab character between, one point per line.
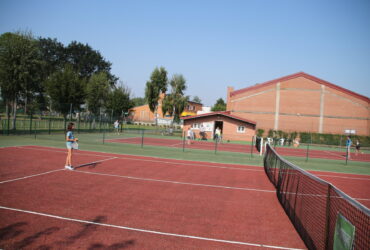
232	127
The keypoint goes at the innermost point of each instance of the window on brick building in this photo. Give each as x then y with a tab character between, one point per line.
241	129
195	125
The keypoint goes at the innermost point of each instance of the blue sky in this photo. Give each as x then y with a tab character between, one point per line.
213	44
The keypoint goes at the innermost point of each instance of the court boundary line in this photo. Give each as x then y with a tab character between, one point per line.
176	182
52	171
34	147
30	176
147	231
168	162
202	185
338	155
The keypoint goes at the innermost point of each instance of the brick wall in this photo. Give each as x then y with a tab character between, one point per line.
301	104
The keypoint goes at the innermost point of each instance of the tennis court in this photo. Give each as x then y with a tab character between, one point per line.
232	147
143	202
137	202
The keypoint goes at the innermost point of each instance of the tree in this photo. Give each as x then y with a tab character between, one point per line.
66	90
97	91
119	101
156	86
220	105
19	69
174	103
197	99
87	61
138	101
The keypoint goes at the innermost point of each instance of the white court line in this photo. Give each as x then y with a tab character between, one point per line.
330	152
192	164
122	139
30	176
147	231
25	177
344	177
176	182
167	162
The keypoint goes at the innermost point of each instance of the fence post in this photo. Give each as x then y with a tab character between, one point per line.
252	146
308	149
49	125
35	132
142	138
31	124
183	142
103	136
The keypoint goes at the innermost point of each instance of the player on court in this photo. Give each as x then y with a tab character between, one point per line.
70	140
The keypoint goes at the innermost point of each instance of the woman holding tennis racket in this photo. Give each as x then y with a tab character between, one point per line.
71	143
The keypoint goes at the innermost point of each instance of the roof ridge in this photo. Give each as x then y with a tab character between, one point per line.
301	74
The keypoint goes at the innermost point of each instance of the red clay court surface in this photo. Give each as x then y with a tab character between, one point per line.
210	145
143	203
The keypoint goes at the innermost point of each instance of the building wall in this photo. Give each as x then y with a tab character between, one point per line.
229	131
301	104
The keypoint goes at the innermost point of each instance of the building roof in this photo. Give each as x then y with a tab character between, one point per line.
305	75
220	113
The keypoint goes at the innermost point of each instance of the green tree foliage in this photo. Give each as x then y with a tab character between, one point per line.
220	105
197	99
64	88
119	101
174	103
54	56
138	101
37	72
97	90
87	61
156	86
19	69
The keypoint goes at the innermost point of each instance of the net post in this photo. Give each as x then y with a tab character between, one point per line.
216	145
142	138
261	146
327	216
347	149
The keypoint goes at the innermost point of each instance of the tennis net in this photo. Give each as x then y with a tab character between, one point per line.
324	216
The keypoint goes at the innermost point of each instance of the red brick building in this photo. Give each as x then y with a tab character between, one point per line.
301	103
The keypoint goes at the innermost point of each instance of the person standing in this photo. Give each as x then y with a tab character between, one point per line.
116	126
348	146
218	134
189	136
70	140
358	146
